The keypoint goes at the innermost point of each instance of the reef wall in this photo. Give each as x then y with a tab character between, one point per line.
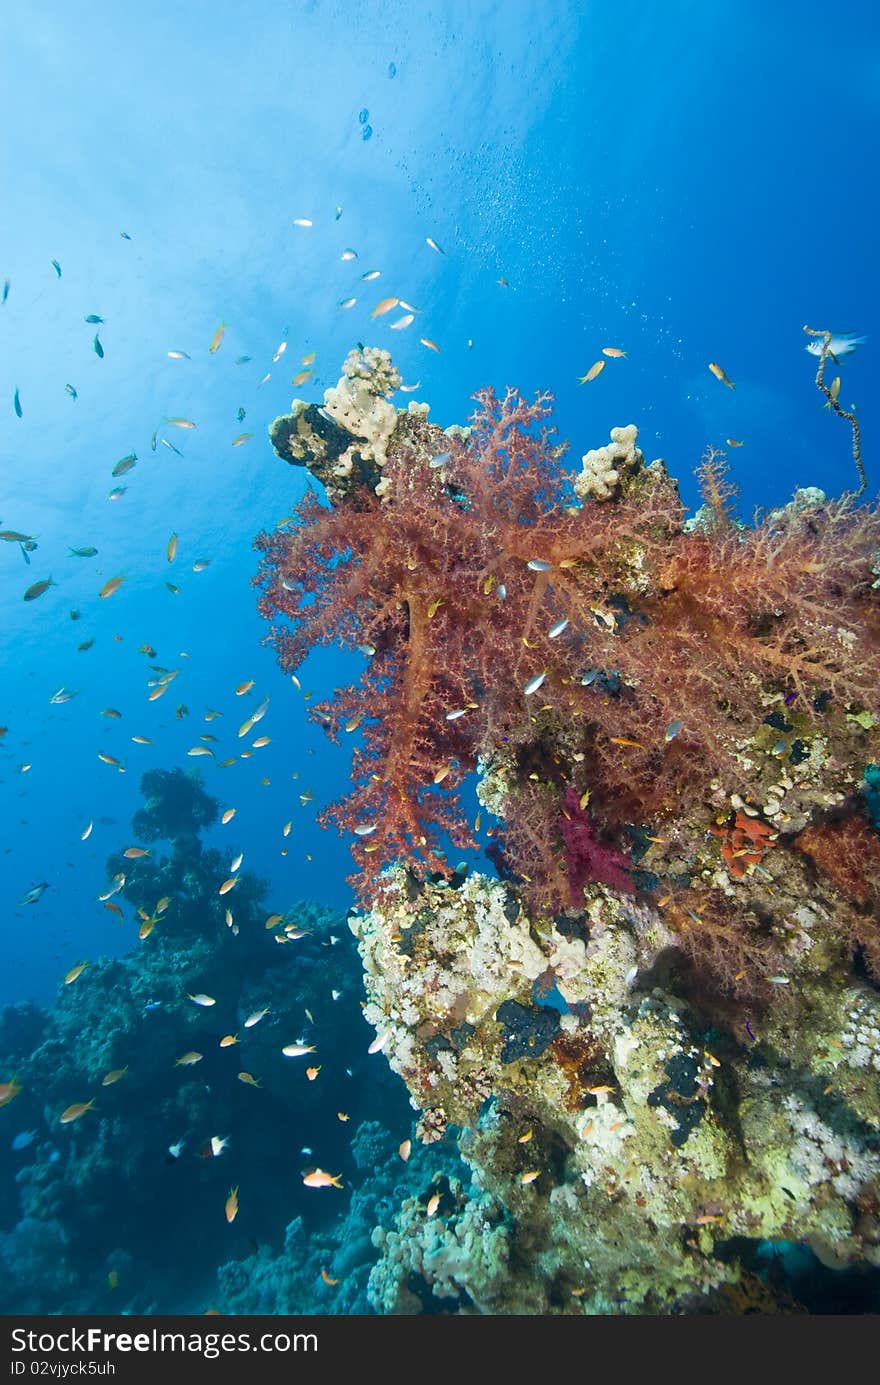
657	1032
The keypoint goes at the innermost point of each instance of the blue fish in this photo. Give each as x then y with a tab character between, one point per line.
34	893
71	391
57	268
6	287
22	1140
16	403
98	348
93	319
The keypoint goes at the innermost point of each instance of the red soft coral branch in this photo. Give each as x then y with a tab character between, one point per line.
457	580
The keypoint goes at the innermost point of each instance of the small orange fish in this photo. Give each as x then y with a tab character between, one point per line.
110	587
9	1091
624	740
312	1073
134	853
733	442
384	307
327	1280
228	816
720	375
74	1112
75	972
188	1059
244	688
232	1205
249	1079
431	345
599	1091
114	908
228	885
530	1176
706	1220
317	1178
595	369
342	1116
433	1204
228	1040
405	1150
114	1076
217	338
613	351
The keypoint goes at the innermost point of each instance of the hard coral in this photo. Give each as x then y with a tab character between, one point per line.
599	646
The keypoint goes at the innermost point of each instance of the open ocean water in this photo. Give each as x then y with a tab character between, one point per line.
194	202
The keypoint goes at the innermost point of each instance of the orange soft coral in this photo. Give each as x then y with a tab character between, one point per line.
744	842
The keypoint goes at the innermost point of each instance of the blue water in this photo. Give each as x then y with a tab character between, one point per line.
687	182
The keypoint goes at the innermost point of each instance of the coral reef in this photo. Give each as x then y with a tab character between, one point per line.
122	1210
344	442
601	650
619	1142
657	1031
327	1269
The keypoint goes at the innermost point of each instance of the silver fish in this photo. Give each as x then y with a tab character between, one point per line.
840	345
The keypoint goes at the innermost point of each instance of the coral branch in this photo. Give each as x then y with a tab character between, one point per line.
841	413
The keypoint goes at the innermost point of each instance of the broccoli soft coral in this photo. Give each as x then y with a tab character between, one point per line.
587	857
563	647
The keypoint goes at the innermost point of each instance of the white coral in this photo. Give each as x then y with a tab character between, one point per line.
359	403
602	466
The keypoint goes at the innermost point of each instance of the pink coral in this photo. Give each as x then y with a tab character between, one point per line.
586	856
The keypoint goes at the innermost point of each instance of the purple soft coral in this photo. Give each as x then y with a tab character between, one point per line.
586	857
